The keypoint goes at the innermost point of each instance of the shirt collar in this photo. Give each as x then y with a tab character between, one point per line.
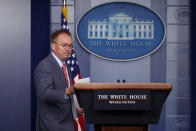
58	60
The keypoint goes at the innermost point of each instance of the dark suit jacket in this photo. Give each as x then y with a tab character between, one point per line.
54	111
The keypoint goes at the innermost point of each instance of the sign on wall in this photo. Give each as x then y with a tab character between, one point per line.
122	99
120	31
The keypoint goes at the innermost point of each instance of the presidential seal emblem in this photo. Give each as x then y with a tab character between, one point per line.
120	31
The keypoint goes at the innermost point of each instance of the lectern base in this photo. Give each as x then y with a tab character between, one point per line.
120	128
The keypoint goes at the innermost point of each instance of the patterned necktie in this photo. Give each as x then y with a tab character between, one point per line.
65	74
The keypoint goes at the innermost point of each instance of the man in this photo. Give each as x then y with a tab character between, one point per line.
52	81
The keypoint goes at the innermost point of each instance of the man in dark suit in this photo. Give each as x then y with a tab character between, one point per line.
53	87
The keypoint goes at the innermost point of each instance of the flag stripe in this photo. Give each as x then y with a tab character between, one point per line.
76	125
81	121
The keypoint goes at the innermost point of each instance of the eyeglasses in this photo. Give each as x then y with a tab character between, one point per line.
65	45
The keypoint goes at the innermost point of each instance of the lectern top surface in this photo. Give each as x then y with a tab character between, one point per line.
123	86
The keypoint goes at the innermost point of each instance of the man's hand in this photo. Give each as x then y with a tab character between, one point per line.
79	111
69	90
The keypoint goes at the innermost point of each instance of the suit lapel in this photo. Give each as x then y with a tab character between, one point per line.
57	69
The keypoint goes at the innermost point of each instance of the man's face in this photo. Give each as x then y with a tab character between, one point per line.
62	47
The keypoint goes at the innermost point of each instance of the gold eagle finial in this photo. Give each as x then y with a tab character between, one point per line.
64	2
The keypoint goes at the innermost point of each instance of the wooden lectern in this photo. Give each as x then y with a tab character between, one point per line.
117	119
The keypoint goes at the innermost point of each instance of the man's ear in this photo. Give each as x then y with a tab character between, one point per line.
52	46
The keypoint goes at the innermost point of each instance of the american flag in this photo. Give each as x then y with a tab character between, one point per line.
72	62
72	65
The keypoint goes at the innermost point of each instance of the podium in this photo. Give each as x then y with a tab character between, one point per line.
122	106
